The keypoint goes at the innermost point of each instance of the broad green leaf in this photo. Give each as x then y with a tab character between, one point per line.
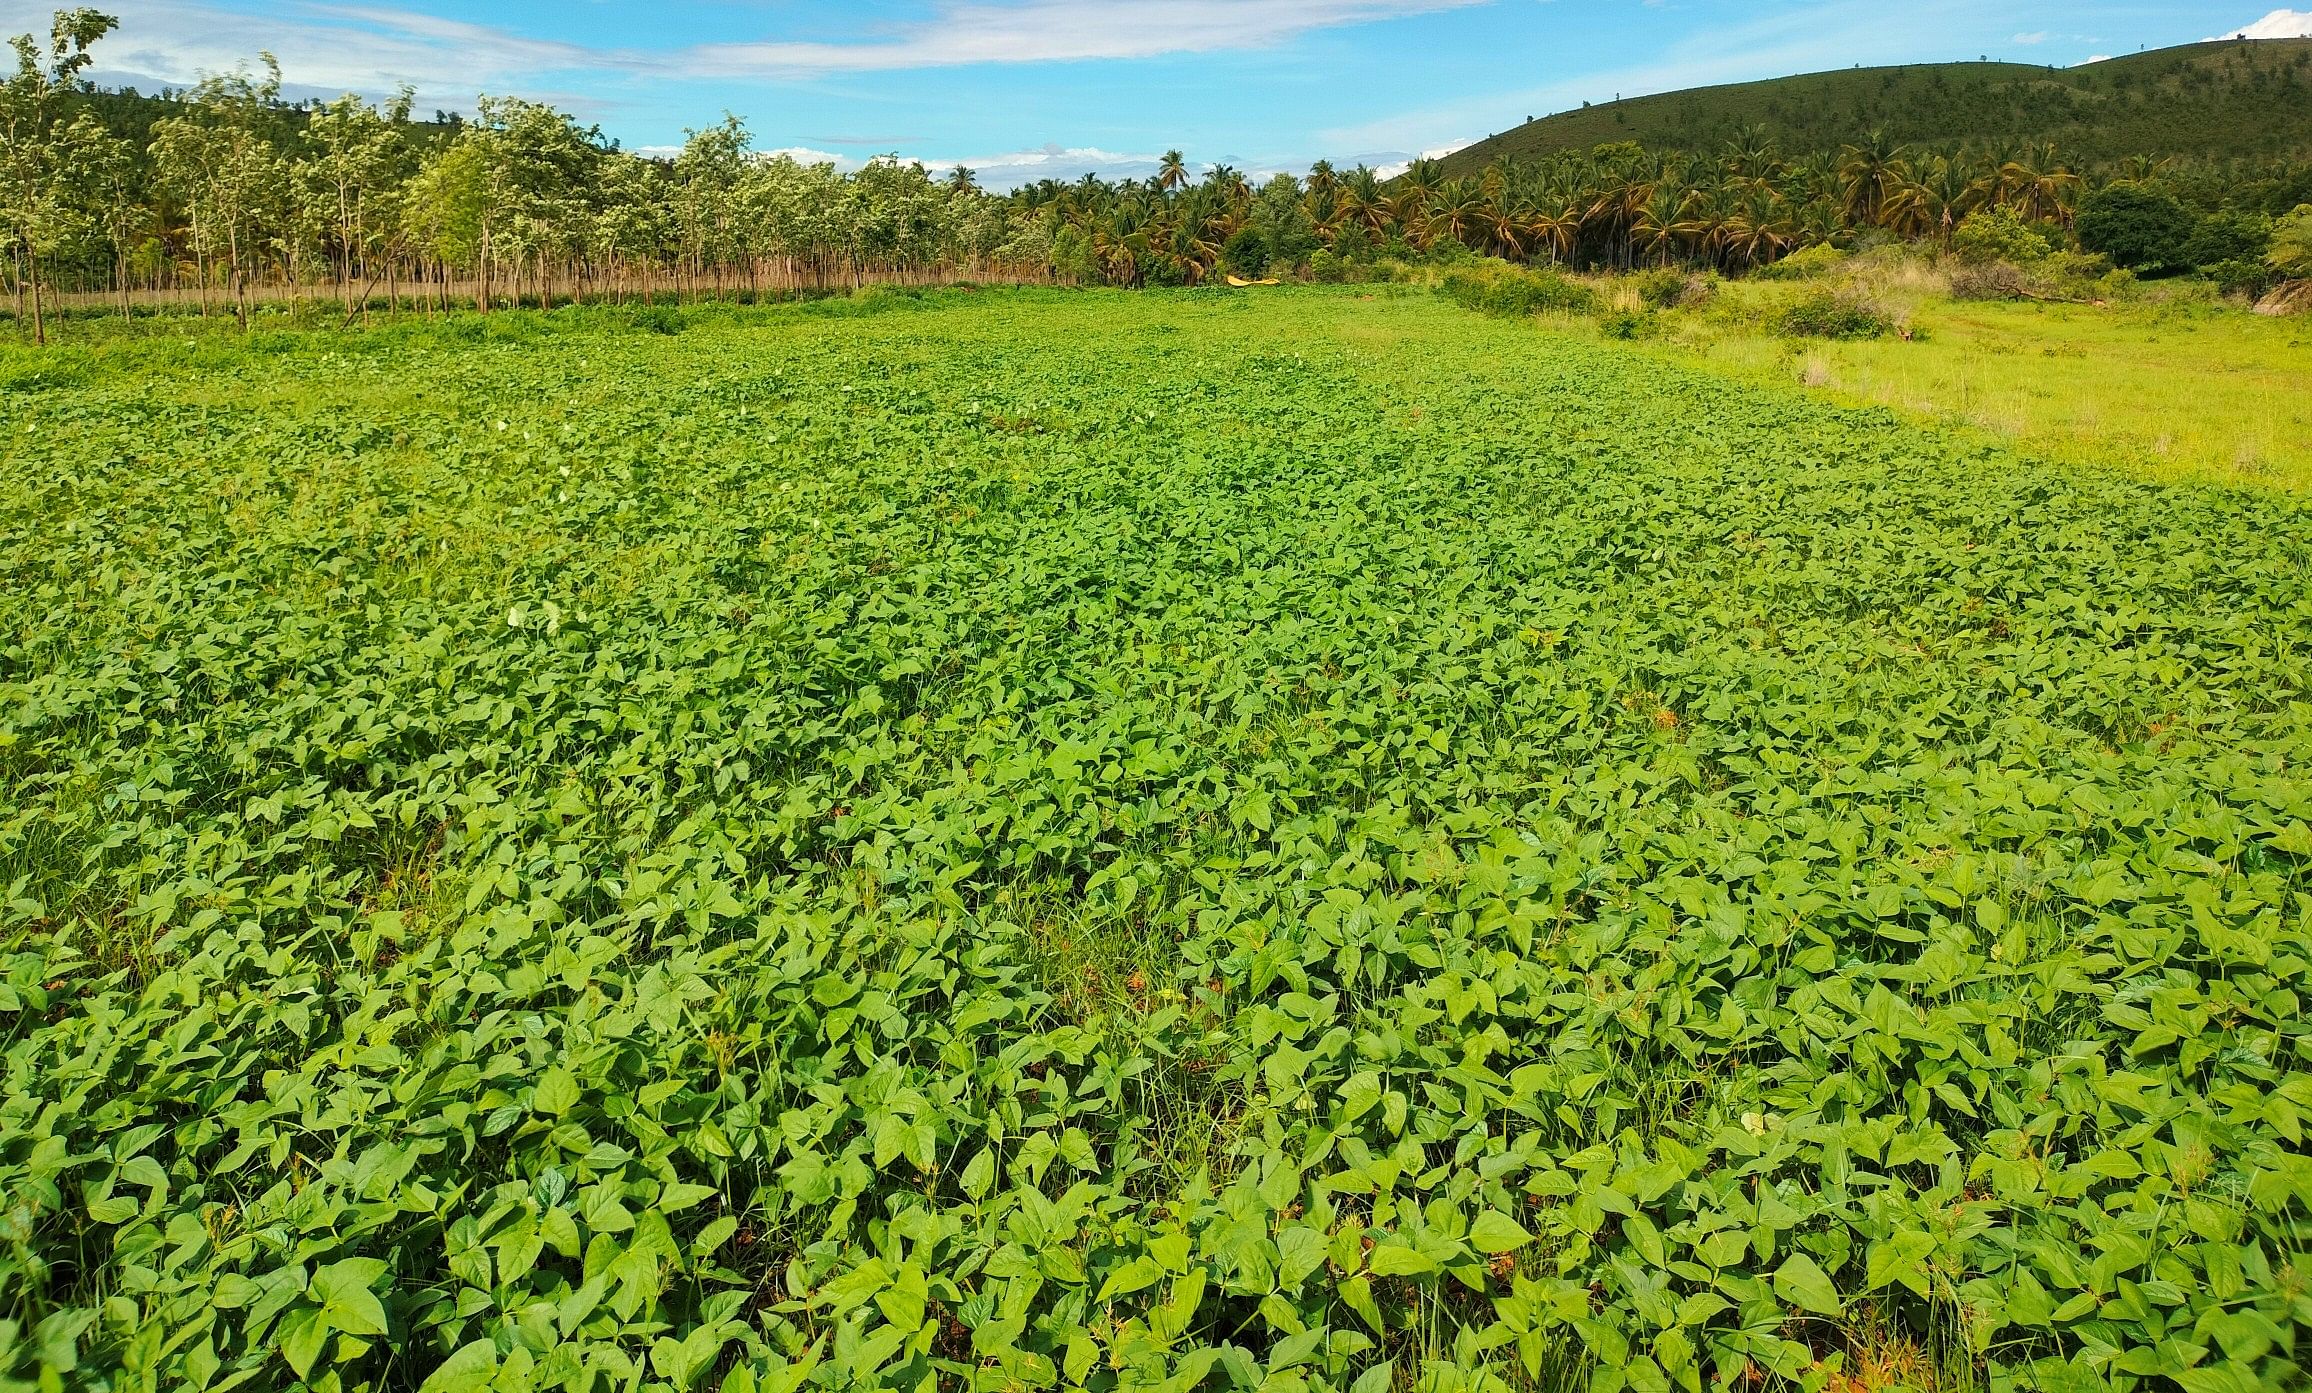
1495	1232
469	1370
1804	1284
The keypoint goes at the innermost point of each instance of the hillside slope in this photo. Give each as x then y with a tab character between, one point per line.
2204	101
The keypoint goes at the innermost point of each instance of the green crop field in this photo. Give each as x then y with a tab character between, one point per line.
1071	840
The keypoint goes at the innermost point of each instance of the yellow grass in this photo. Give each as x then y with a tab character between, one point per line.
2179	392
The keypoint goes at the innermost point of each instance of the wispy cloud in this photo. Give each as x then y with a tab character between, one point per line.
325	49
331	46
2279	24
1047	31
1011	169
1389	166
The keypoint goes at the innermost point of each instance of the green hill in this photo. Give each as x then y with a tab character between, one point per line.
2233	100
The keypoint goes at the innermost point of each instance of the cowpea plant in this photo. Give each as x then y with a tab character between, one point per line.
1051	841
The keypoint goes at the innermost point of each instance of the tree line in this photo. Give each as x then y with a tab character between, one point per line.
238	189
1621	207
231	188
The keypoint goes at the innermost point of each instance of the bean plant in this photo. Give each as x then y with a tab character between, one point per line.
1060	841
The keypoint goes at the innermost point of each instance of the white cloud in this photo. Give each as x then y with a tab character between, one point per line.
2038	37
804	154
1055	156
1037	31
1390	168
1067	164
331	46
324	49
2279	24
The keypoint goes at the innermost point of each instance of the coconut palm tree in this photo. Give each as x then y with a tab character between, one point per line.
1621	192
1556	229
1870	174
1944	191
1172	171
1654	226
1416	187
1505	230
1121	242
1454	213
1751	155
1702	219
1228	182
1363	201
2037	185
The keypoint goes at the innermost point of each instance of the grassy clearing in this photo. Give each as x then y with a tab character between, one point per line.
1313	841
2185	391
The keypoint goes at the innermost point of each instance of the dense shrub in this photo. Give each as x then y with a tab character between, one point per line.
1669	289
1247	253
2138	228
1627	324
1328	267
658	319
2075	266
1834	317
2242	277
1992	235
1499	288
1804	264
2229	236
1163	272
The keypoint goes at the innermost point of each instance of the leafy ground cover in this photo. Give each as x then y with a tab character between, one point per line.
1050	840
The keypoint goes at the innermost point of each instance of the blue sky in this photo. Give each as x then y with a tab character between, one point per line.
1025	88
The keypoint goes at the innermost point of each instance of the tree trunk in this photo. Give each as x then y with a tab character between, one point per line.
39	323
239	287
